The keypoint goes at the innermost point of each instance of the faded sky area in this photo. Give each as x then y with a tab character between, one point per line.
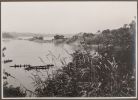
65	17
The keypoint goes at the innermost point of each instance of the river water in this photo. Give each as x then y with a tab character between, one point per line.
33	53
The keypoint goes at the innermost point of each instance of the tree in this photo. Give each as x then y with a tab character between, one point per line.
58	37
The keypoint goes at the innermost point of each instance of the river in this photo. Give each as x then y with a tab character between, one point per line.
29	52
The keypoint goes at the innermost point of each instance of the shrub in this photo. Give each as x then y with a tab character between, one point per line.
13	91
91	77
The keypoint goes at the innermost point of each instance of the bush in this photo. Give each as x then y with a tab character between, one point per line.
91	77
13	91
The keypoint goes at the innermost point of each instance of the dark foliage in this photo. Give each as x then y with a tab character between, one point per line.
58	37
88	76
108	74
13	92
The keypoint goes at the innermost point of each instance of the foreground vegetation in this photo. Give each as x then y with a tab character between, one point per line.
109	72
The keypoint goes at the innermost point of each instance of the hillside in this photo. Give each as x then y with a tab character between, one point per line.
8	35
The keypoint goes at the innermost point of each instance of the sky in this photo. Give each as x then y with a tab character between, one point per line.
65	17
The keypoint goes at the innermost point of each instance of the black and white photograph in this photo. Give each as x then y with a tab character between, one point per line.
69	49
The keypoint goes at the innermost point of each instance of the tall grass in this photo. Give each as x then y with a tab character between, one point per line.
110	73
89	76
